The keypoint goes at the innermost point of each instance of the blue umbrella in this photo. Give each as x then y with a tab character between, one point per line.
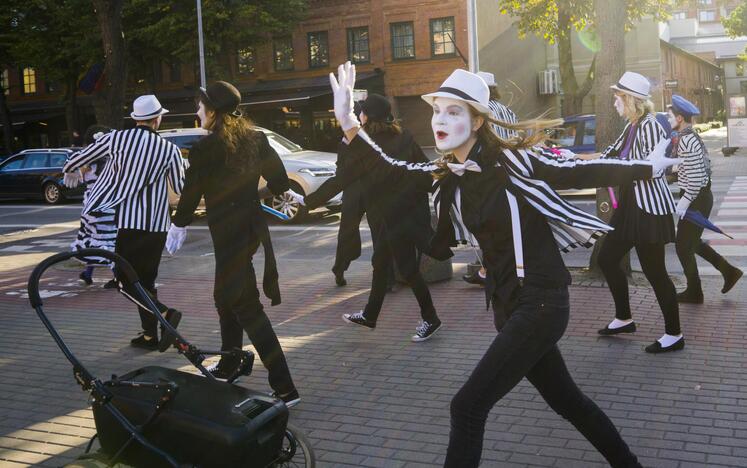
697	218
280	215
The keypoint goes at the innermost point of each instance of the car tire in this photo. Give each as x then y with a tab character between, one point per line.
52	193
286	205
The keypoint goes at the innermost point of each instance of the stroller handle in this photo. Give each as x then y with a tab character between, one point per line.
123	267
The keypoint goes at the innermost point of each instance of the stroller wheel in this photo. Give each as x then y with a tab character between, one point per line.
296	450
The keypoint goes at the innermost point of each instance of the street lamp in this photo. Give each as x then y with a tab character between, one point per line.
474	60
201	44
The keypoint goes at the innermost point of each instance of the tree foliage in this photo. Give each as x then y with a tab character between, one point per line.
736	23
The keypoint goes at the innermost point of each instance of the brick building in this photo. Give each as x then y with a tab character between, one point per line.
401	48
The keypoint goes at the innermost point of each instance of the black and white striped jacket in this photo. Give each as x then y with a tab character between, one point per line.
504	114
134	179
693	173
653	195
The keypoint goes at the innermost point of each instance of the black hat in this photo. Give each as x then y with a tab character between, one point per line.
223	97
377	107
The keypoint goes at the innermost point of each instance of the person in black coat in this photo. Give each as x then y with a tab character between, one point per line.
503	193
225	168
397	214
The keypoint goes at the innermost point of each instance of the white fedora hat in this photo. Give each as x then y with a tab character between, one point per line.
487	77
146	107
633	84
463	86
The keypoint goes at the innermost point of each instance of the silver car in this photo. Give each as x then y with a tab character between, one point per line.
306	169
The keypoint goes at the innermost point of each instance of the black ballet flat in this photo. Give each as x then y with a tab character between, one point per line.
657	348
629	328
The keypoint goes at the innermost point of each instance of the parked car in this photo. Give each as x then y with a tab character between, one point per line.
306	169
577	134
37	173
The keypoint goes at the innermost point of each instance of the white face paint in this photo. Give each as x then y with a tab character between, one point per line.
451	123
202	115
672	120
619	105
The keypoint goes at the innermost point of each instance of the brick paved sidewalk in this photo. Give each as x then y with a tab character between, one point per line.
373	398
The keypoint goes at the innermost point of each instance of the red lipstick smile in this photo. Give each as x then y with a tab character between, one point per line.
441	135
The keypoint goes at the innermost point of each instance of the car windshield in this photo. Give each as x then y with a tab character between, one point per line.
281	144
184	141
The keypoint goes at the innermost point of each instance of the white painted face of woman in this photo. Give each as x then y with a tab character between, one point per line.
451	123
619	105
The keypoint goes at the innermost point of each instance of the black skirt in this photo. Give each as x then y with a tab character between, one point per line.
635	225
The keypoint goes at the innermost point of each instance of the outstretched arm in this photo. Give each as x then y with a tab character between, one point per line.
93	152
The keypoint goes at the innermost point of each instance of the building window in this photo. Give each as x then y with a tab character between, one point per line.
246	60
743	87
740	68
403	40
442	36
358	51
318	49
175	71
28	77
705	2
679	15
283	51
5	82
707	15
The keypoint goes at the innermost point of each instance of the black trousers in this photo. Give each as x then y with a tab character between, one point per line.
404	254
239	308
142	249
349	235
654	267
526	346
689	242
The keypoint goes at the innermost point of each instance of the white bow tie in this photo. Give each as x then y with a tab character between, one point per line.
459	169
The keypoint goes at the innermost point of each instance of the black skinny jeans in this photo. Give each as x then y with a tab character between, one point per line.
404	254
526	346
239	308
142	250
689	242
654	267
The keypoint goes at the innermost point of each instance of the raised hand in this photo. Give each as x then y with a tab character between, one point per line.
342	91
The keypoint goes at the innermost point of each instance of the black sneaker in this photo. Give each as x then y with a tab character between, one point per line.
111	284
85	278
359	319
173	316
144	341
690	297
425	330
730	278
290	399
222	370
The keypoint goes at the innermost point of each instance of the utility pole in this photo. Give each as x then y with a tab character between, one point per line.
474	60
201	43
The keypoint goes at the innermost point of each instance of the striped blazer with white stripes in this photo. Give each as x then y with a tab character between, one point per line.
134	179
693	173
653	195
504	114
534	175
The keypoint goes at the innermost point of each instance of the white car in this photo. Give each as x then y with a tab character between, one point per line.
306	169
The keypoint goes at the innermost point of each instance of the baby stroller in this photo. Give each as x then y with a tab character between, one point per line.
155	416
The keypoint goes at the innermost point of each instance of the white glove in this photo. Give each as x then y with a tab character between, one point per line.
175	238
297	197
659	159
342	90
71	179
682	207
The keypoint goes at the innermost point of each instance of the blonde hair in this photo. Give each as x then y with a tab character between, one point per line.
530	132
634	108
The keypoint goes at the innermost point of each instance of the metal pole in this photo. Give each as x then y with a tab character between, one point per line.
201	44
474	60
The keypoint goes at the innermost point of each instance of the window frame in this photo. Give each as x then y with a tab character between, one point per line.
24	85
391	38
453	37
350	40
325	34
700	12
9	161
45	165
252	63
292	64
5	81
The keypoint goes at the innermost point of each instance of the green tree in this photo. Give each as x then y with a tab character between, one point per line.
556	20
736	23
55	38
